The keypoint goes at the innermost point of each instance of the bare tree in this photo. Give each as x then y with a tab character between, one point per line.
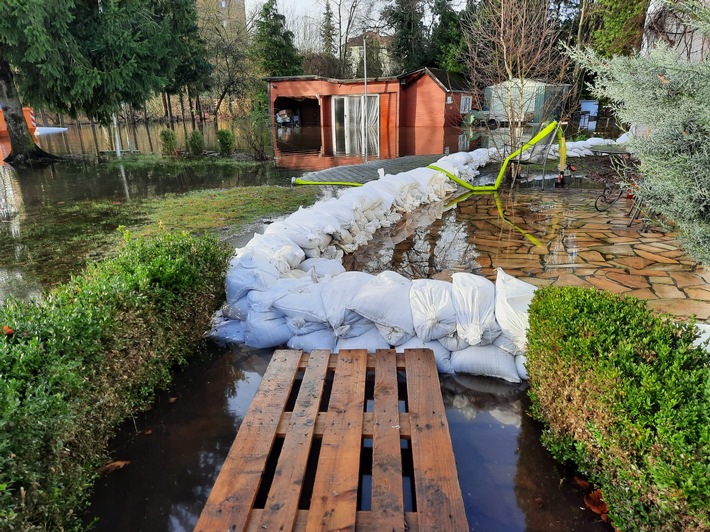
512	46
227	39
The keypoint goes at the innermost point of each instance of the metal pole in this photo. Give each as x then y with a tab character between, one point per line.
365	109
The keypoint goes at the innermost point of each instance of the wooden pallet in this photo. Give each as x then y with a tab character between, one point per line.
347	441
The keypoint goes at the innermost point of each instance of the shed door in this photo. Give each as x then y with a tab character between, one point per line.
352	127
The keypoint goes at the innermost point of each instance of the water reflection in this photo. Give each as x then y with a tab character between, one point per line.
177	449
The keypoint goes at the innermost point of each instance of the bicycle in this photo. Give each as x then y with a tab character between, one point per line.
612	192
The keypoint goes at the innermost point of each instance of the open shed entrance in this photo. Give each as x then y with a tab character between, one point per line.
306	110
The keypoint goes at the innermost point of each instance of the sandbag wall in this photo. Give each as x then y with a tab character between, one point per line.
288	286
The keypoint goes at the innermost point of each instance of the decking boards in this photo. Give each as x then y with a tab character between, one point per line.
363	445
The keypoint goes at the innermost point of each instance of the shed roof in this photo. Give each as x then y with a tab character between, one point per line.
448	81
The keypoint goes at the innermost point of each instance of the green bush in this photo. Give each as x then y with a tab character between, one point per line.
196	143
85	357
168	139
625	395
226	141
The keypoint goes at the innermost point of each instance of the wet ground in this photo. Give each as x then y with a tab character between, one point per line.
509	482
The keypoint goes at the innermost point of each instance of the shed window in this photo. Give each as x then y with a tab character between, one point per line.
449	99
466	104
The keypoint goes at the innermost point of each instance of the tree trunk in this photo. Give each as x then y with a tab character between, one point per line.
191	107
22	146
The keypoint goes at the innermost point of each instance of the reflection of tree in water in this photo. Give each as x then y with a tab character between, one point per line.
175	465
423	243
545	490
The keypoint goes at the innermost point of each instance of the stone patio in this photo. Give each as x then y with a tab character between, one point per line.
546	237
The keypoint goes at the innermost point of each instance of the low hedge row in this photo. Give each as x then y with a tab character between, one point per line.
85	357
625	396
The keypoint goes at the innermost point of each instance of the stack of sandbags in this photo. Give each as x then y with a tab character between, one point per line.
288	286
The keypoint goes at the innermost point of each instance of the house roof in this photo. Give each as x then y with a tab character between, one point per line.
331	80
371	36
448	81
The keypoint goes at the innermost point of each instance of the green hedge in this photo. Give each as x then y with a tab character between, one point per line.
88	355
625	395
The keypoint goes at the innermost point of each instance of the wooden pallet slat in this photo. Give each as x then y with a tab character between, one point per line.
336	476
439	501
334	500
281	509
233	494
387	492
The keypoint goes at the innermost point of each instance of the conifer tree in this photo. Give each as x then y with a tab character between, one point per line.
327	35
272	43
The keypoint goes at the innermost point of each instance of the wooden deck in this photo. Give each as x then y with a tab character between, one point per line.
347	441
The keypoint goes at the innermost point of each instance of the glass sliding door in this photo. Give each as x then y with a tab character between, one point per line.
356	125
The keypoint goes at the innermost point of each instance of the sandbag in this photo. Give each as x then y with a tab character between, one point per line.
322	267
474	303
486	360
303	301
513	298
280	247
354	325
338	294
266	329
301	326
385	301
441	354
453	342
371	340
238	310
228	331
247	272
521	362
323	339
433	313
263	300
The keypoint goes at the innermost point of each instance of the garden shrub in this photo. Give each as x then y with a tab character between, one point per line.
196	143
626	396
226	141
85	357
168	140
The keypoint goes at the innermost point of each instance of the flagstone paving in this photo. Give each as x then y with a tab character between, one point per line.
552	237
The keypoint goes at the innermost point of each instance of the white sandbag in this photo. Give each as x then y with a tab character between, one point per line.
323	339
521	362
277	246
474	303
453	342
354	325
238	310
305	237
303	301
487	360
266	329
371	340
433	313
441	354
508	345
228	331
322	266
247	273
513	298
300	326
337	295
263	300
703	336
385	301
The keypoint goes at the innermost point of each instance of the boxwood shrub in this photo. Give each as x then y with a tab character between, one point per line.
625	395
85	357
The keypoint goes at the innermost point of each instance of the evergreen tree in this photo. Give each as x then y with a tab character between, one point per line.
668	101
447	44
88	57
272	43
327	34
620	26
410	43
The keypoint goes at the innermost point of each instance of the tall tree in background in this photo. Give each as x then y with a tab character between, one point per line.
227	48
447	46
620	29
71	57
272	43
327	35
410	43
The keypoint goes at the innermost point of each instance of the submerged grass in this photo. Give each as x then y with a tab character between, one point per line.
68	237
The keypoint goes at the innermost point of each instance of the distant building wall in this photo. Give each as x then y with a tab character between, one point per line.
665	25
